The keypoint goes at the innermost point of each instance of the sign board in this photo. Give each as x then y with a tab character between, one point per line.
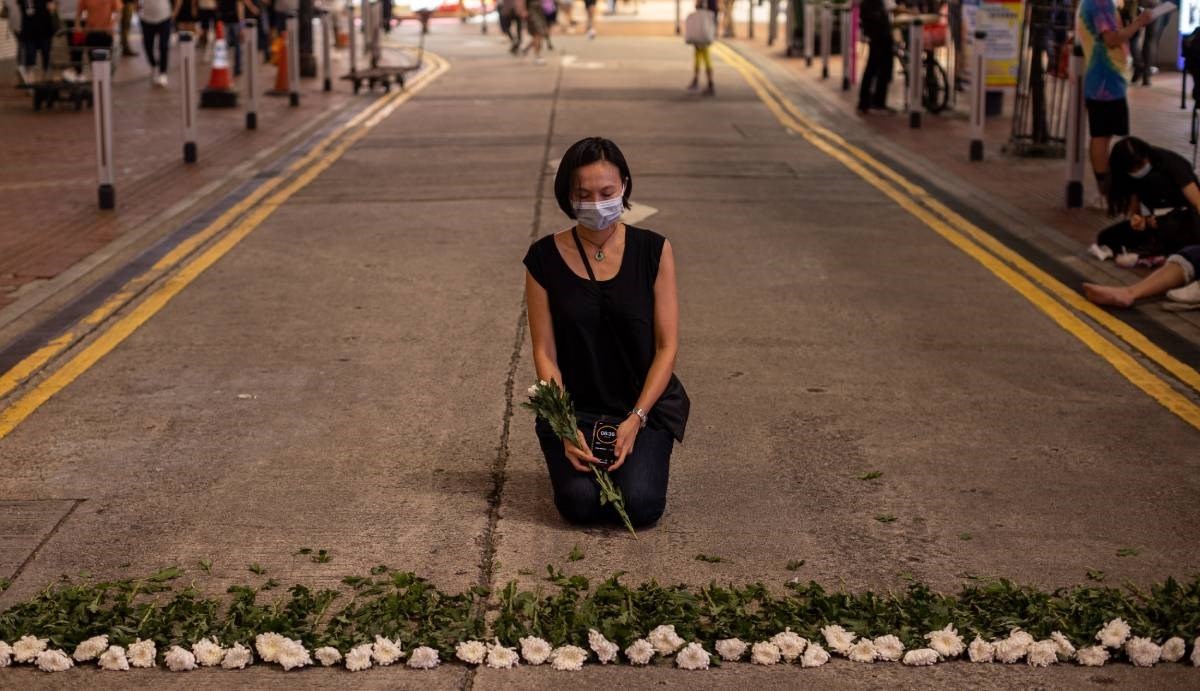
1189	16
1002	20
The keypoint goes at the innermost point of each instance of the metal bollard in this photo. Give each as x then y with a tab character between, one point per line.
188	91
1075	131
678	11
773	22
292	49
102	99
810	20
326	59
844	30
483	10
367	17
376	33
353	38
915	73
826	37
750	19
251	52
978	95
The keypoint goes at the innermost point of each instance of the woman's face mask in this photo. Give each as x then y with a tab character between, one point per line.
602	214
1140	172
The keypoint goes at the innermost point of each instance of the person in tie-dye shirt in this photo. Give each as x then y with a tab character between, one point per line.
1105	57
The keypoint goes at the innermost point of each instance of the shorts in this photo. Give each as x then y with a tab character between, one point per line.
589	3
1108	118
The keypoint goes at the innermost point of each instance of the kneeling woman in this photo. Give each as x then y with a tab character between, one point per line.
1163	182
604	322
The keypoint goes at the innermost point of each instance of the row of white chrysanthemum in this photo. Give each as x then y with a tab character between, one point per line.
786	646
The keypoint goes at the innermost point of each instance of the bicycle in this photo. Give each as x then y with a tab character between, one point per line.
935	94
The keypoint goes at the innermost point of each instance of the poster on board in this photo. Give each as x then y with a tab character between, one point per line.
1001	19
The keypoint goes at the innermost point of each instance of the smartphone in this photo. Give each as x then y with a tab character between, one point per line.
604	440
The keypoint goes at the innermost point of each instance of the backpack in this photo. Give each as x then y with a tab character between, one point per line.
1191	60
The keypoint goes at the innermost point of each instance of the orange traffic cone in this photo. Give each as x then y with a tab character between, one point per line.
219	93
279	58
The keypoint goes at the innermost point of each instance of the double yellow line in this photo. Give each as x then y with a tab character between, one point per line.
1035	285
244	217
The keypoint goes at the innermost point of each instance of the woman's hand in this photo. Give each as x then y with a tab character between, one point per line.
1137	222
580	460
626	435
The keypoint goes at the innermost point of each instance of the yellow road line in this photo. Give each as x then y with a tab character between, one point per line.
188	272
906	196
1130	335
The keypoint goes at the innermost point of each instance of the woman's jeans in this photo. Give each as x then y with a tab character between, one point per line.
642	479
160	32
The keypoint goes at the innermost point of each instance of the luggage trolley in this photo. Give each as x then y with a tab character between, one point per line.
377	74
59	84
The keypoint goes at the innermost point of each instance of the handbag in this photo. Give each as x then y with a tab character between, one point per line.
700	28
671	410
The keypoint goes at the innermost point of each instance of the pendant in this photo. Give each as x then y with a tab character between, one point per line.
599	255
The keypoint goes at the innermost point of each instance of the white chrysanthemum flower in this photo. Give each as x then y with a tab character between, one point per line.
28	648
568	658
535	650
500	657
1092	656
863	650
1012	649
1042	653
790	644
269	645
54	661
293	655
385	651
1114	634
114	659
423	657
1196	652
838	639
731	649
237	657
693	656
328	655
606	651
921	657
664	639
640	652
946	642
90	649
1173	649
208	652
814	656
142	654
180	659
981	651
1066	649
765	653
888	648
471	652
359	657
5	654
1142	652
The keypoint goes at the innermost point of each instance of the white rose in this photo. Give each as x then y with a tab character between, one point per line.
693	656
423	657
1173	649
791	645
535	650
385	651
814	656
90	649
142	654
1114	634
764	653
946	642
114	659
568	658
731	649
500	657
640	652
471	652
54	661
921	657
606	650
293	655
359	658
1142	652
208	652
327	655
1042	653
1092	656
664	639
838	639
862	651
981	651
5	654
28	648
237	657
1066	649
269	645
180	659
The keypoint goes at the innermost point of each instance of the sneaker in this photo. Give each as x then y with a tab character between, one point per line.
539	60
1100	252
1188	294
591	34
161	80
694	86
69	74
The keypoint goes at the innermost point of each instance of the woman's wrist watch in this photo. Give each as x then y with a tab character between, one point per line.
641	416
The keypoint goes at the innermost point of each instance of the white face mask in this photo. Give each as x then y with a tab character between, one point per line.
1141	172
602	214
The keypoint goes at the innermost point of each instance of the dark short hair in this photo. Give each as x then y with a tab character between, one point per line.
1127	154
583	153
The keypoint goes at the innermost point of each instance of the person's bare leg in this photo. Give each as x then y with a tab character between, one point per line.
1166	277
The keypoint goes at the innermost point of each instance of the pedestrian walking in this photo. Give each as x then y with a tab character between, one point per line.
510	24
534	18
231	13
604	324
589	9
207	15
875	19
701	32
185	15
1144	44
1105	40
155	17
37	22
96	19
128	8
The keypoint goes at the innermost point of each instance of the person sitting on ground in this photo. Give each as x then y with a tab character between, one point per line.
1176	278
1156	179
